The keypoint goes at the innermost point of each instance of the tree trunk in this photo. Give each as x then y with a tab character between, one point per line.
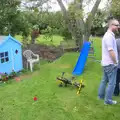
89	20
32	40
86	37
78	38
84	28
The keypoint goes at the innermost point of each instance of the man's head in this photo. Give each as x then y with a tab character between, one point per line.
113	25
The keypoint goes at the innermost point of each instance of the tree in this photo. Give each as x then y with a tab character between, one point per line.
43	18
115	9
78	27
12	20
32	4
8	13
98	22
77	23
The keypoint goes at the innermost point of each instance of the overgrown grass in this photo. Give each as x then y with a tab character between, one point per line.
55	103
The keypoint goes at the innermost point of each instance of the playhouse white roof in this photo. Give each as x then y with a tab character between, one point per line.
2	38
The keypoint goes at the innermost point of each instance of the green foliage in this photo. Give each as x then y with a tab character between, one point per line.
32	17
12	19
35	4
8	12
21	25
74	12
12	74
65	33
97	25
44	19
115	9
3	77
48	23
48	33
53	20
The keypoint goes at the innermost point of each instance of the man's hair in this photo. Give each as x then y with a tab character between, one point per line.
112	21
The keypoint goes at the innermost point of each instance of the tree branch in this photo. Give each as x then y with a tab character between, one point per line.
95	7
92	14
79	4
62	7
65	15
80	22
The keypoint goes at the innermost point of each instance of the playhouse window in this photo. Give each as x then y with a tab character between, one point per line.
7	59
16	51
4	57
6	53
2	60
1	55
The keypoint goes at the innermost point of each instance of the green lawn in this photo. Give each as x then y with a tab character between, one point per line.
56	40
97	46
41	40
55	103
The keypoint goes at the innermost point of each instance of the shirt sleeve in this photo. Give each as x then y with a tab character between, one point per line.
109	43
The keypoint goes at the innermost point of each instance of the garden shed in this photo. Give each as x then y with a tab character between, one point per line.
10	55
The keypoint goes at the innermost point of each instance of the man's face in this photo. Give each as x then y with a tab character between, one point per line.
115	26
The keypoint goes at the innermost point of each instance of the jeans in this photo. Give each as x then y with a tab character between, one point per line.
108	82
117	90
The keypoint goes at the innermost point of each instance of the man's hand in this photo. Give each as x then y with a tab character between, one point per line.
116	65
113	57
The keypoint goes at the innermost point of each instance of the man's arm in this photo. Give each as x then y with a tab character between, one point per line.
113	57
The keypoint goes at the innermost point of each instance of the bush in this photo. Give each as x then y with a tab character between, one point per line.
5	77
66	34
98	31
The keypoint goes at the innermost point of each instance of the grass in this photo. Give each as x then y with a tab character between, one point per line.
19	38
55	103
97	47
41	40
56	41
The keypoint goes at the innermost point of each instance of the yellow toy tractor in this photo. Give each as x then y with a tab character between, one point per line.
64	81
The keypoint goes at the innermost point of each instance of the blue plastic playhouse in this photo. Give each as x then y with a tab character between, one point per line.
10	55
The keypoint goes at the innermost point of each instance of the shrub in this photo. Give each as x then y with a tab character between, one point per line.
4	77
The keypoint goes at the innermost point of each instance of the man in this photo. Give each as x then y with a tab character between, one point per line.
109	63
117	90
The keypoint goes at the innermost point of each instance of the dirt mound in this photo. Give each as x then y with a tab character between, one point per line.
49	53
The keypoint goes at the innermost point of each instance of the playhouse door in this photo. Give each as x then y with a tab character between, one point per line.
17	59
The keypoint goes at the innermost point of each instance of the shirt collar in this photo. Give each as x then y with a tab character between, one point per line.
111	32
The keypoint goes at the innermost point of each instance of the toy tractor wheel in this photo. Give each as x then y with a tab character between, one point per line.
61	84
83	86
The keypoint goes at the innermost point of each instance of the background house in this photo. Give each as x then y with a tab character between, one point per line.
10	55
